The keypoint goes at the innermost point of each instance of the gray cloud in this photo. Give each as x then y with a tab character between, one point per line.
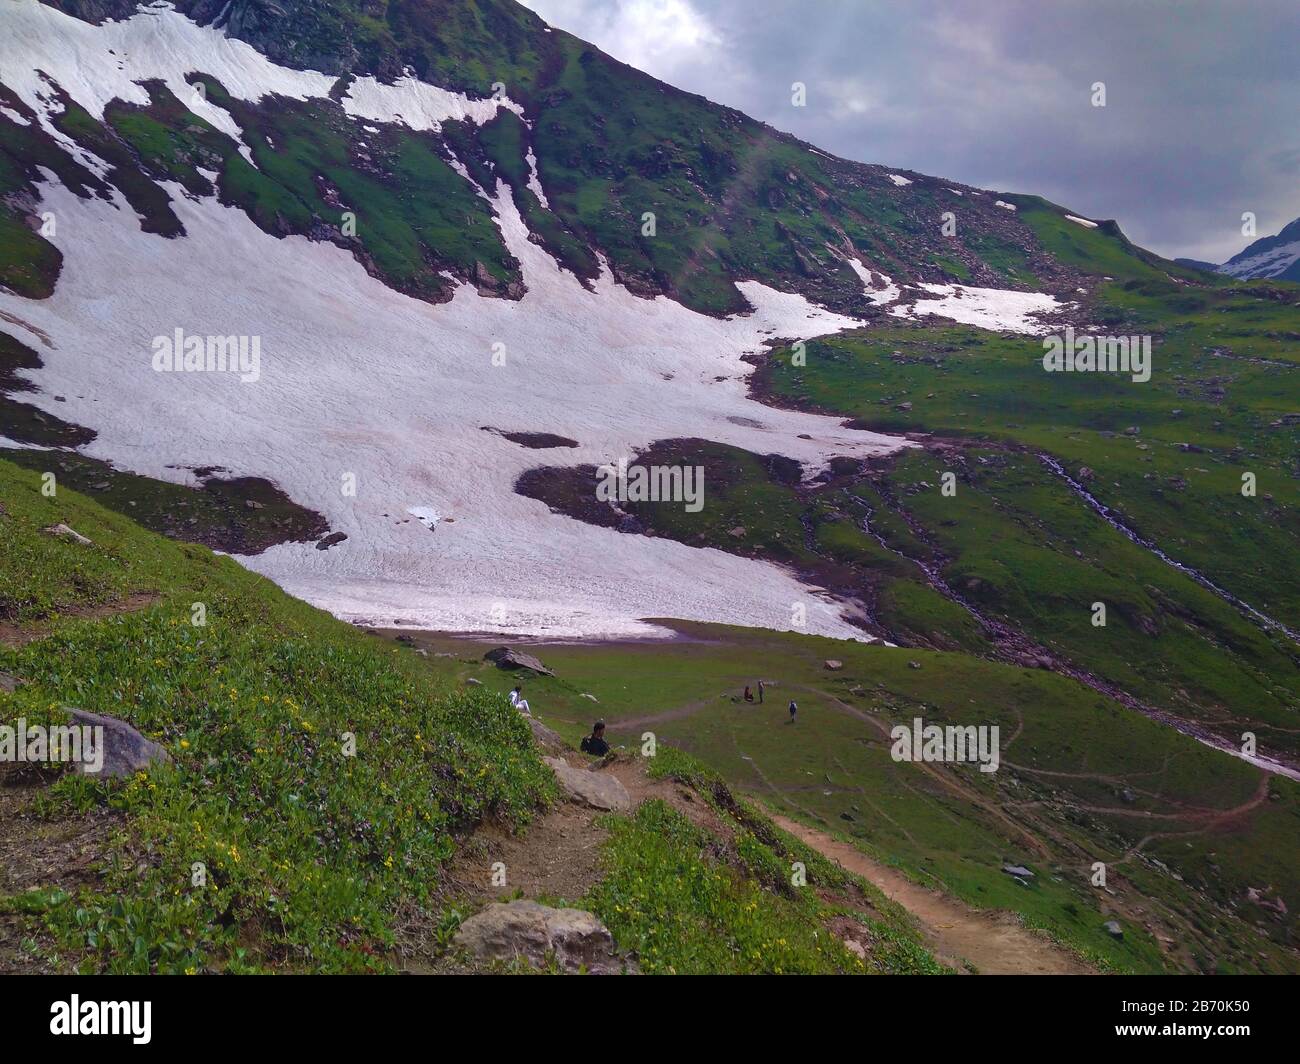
1202	115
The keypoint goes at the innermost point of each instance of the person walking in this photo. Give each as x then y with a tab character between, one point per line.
760	692
793	710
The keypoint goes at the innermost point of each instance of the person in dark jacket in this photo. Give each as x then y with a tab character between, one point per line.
595	742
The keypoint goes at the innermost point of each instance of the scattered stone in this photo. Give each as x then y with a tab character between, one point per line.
738	532
833	665
1019	871
846	815
856	948
1085	473
474	682
64	532
125	750
330	540
592	697
913	664
592	789
253	504
525	930
507	658
1113	928
9	684
1127	796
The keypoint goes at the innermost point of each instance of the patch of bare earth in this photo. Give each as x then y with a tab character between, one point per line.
38	853
17	635
958	936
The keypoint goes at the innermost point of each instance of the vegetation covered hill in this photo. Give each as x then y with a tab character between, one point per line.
314	860
732	199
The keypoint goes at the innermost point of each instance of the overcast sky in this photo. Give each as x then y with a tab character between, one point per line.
1202	115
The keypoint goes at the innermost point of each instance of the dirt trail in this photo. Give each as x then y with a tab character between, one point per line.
954	933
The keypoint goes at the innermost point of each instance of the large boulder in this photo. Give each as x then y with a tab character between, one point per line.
509	658
125	750
594	789
545	738
526	930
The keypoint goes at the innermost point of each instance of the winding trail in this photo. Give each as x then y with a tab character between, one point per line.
991	943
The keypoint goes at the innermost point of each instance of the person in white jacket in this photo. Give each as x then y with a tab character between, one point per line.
519	702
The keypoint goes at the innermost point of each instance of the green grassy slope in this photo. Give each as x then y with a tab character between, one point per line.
1184	830
311	856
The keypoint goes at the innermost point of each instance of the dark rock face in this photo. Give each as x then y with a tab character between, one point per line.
96	11
508	658
125	750
331	540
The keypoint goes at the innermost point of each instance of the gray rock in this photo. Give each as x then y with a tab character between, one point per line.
593	789
9	684
125	752
1112	928
1019	871
524	930
546	739
332	539
64	532
508	658
474	682
833	664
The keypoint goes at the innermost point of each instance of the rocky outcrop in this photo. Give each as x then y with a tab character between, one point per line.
508	658
593	789
527	931
125	750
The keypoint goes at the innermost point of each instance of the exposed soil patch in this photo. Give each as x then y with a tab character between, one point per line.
17	635
60	853
958	936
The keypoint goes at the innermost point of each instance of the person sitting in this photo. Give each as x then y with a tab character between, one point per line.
595	742
748	696
519	702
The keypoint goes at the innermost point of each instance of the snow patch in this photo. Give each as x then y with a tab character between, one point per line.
899	179
426	515
987	308
419	105
534	182
1004	204
356	378
881	296
1082	221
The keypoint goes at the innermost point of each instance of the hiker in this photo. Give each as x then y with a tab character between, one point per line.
760	692
595	742
748	697
519	702
793	710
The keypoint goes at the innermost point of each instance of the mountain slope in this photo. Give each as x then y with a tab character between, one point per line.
1276	257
